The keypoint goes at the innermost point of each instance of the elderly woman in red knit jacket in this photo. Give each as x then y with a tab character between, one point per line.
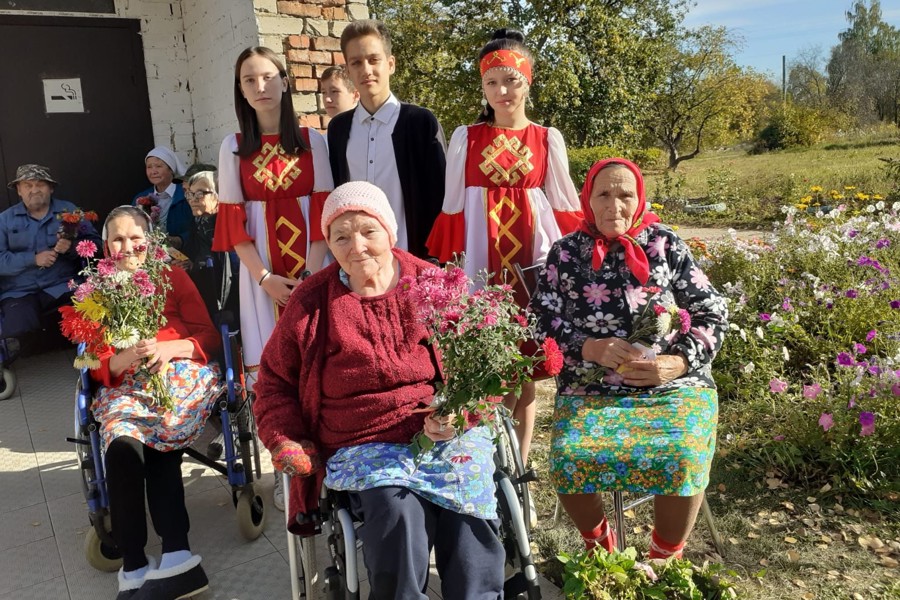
344	384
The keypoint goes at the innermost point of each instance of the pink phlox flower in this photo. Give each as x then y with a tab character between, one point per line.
106	267
786	305
860	349
86	249
83	291
142	280
777	386
826	421
895	389
778	438
684	320
867	423
871	335
765	317
812	391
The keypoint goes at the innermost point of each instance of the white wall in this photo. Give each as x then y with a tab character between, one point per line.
216	31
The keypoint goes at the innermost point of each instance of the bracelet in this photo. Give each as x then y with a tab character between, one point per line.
263	278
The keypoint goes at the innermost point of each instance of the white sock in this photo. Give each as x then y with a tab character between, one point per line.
137	573
173	559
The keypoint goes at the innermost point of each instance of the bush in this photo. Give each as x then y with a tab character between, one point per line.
809	375
582	159
791	127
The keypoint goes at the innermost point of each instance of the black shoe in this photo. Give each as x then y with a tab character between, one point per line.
216	447
175	583
126	594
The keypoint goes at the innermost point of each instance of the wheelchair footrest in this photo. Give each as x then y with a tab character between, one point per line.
527	477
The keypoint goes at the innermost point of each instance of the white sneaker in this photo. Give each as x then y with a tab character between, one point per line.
278	492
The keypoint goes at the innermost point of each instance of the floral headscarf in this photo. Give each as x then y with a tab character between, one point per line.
635	257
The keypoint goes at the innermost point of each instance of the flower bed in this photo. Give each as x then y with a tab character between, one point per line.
810	374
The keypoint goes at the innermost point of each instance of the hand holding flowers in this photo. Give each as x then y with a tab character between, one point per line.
634	360
120	307
73	224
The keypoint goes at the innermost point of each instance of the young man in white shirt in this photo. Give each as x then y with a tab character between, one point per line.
397	146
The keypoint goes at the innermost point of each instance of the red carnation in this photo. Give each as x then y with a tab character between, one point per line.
553	357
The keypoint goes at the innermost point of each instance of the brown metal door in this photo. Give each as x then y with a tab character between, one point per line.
96	155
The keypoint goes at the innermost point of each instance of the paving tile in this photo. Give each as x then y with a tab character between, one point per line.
214	532
24	525
20	482
263	577
54	589
90	584
30	564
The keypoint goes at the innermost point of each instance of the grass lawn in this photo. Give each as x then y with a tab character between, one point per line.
783	542
755	186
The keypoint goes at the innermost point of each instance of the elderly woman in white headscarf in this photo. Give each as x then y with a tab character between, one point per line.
164	199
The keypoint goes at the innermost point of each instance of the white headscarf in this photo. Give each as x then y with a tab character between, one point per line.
170	158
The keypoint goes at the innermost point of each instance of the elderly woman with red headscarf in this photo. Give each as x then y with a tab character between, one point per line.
639	324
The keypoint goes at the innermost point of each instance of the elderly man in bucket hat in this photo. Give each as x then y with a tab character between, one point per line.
36	262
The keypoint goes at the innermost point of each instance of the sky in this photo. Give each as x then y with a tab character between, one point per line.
772	28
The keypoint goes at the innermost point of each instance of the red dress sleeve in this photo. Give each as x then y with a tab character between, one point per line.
316	204
231	228
102	375
568	221
448	236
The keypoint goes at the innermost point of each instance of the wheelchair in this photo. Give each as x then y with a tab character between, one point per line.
7	375
241	463
341	575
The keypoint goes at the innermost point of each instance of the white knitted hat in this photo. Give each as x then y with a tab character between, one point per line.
359	196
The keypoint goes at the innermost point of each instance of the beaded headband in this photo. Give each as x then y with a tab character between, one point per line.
510	59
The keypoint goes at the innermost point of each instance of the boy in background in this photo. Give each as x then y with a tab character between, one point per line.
338	92
399	147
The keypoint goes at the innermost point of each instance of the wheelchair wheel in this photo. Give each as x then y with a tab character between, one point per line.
511	463
306	563
7	384
99	555
250	513
523	585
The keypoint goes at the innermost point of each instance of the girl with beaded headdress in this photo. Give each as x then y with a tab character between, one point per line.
508	191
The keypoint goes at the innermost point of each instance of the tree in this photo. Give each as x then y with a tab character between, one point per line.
698	93
807	82
864	68
594	59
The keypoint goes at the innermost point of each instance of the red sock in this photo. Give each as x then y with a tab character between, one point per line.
660	548
602	535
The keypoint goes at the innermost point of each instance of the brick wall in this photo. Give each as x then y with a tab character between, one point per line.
307	33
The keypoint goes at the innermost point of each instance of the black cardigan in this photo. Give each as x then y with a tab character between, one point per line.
421	164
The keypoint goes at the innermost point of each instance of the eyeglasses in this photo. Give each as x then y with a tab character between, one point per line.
198	195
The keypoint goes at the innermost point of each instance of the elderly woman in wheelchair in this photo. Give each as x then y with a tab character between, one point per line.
344	384
143	441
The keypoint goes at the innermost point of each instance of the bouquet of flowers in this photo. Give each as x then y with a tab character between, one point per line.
118	308
150	205
658	320
74	223
477	335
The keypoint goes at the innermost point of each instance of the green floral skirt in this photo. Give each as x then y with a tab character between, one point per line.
660	444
